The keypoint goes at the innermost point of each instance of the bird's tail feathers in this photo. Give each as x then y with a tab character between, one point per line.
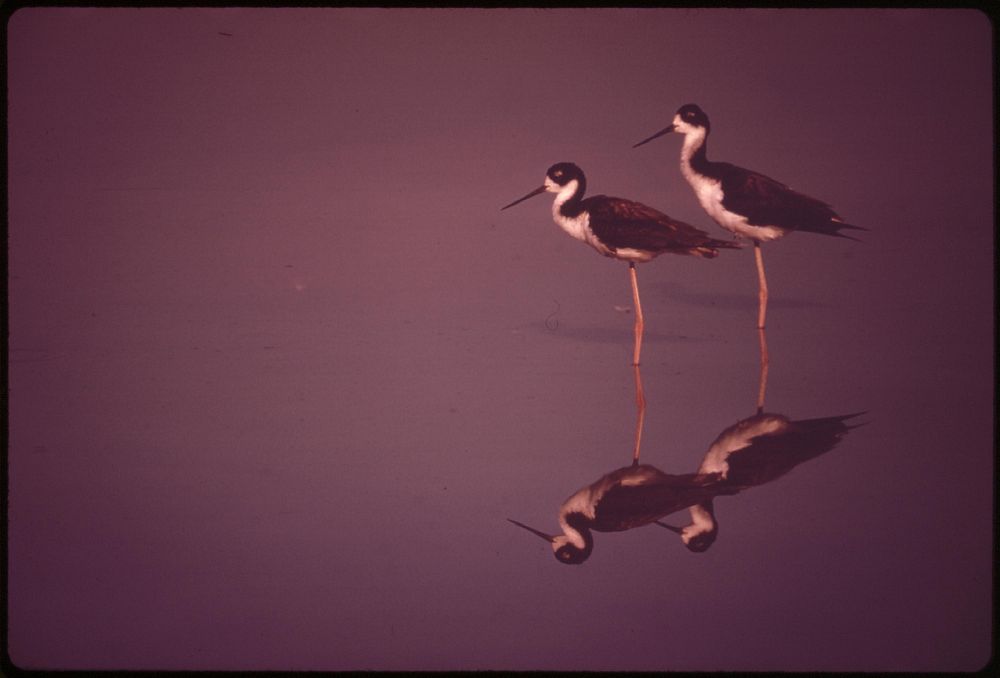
727	244
840	420
833	228
710	250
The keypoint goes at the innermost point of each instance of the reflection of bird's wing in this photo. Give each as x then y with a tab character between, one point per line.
624	504
765	447
767	202
620	223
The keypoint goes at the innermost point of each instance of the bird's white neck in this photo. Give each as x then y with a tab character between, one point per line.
576	225
564	194
572	535
694	140
702	521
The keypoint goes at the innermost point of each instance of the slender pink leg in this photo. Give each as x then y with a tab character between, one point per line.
638	314
764	360
762	307
640	404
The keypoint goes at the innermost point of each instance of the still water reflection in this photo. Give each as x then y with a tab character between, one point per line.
753	451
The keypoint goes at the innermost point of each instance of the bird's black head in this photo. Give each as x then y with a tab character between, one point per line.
564	172
702	542
688	119
691	115
568	554
557	177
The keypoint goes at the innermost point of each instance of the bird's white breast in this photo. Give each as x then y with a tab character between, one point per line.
710	195
736	438
701	522
579	228
586	499
583	501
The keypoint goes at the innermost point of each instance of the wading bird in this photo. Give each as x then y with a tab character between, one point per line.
752	452
621	229
743	202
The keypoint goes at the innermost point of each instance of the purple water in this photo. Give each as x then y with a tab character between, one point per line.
280	369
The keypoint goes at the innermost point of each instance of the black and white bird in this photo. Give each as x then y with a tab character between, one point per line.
621	229
626	498
752	452
743	202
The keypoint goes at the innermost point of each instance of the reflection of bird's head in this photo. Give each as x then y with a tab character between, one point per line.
568	553
571	548
699	542
699	536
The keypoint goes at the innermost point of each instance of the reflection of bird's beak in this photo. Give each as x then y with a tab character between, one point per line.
670	527
540	189
546	537
665	130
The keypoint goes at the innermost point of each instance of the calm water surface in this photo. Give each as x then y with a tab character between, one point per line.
280	370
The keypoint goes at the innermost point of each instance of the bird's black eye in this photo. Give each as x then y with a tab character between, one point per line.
557	174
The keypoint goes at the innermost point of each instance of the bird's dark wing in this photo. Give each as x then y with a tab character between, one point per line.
624	506
772	455
767	202
621	223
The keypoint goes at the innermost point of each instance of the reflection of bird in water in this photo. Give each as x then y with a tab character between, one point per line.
752	452
621	229
744	202
628	497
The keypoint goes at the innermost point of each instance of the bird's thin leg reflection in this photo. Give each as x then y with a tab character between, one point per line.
764	362
762	304
640	403
638	314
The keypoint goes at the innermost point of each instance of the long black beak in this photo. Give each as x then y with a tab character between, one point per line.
665	130
540	189
546	537
670	527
